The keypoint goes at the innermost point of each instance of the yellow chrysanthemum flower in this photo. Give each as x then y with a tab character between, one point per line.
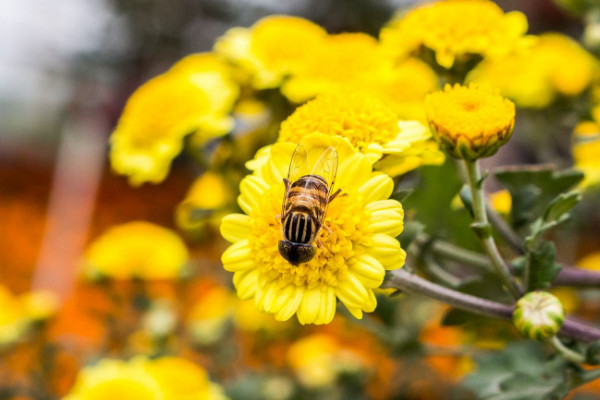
115	379
273	48
17	313
590	261
318	360
136	250
533	77
339	61
196	94
501	201
470	122
455	29
358	243
205	203
586	147
181	379
370	125
168	378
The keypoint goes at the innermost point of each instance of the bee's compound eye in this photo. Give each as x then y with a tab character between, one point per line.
297	253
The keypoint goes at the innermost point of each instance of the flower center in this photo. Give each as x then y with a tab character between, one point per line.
348	223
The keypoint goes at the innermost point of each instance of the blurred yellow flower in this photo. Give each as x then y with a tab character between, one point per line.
470	122
590	261
136	250
358	244
455	29
167	378
501	201
205	203
19	312
317	360
181	379
336	63
208	319
586	147
533	77
195	95
272	49
403	85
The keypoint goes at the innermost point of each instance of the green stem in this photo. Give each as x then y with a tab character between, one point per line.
482	228
565	351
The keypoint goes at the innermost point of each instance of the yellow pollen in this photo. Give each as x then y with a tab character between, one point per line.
355	116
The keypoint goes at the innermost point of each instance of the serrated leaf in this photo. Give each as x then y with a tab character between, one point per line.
542	268
532	188
561	205
519	372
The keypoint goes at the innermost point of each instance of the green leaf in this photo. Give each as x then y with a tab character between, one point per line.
559	208
542	268
519	372
466	198
533	187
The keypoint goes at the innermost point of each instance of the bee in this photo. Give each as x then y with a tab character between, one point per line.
307	194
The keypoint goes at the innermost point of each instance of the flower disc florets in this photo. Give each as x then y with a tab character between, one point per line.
470	122
356	247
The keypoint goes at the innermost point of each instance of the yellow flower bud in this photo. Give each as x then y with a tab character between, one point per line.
470	122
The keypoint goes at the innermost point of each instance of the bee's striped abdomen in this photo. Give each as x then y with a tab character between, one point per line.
303	213
299	227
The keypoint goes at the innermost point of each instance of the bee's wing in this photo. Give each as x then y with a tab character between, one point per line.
299	164
326	166
298	168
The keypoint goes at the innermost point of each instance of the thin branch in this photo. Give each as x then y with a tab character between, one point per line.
505	230
568	275
483	231
404	280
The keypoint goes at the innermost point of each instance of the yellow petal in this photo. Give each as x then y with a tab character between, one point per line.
235	227
328	303
353	172
251	189
369	270
282	298
245	283
352	292
387	216
379	187
310	306
237	257
372	303
387	250
271	294
291	306
356	312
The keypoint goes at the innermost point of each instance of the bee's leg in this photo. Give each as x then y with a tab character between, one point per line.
328	229
337	192
321	245
286	182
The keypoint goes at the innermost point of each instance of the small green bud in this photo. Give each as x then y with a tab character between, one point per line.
538	315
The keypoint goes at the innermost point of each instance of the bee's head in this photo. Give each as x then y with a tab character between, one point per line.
297	253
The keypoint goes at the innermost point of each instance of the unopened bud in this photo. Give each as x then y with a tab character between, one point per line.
538	315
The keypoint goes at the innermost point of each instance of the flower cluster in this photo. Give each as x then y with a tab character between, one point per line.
136	250
166	378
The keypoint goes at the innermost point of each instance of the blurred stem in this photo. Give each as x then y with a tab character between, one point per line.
568	275
482	229
505	230
408	282
565	351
